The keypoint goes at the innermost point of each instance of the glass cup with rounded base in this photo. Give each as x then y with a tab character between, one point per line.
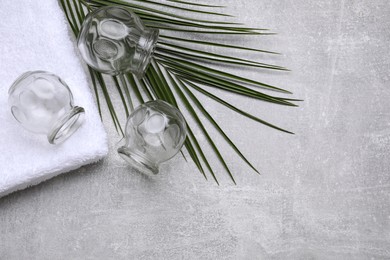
113	40
42	103
155	132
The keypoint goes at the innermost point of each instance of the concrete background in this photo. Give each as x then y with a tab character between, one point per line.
323	193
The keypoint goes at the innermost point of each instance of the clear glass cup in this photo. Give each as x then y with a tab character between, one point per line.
42	103
155	132
113	40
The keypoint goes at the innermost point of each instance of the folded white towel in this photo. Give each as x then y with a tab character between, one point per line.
34	36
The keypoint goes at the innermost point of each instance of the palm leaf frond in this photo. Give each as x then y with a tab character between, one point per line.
181	65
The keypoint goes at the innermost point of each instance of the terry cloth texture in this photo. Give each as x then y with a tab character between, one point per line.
34	36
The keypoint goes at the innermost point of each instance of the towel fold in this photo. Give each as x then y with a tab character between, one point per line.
34	36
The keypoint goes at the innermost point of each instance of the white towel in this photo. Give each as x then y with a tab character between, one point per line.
34	36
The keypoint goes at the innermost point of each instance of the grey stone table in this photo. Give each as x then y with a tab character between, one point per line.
323	193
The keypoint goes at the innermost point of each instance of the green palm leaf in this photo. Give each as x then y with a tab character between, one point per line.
179	65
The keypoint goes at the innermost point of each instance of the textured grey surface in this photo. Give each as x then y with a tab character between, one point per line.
324	193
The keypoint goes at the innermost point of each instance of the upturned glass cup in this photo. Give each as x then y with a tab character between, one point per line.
155	132
113	40
42	103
